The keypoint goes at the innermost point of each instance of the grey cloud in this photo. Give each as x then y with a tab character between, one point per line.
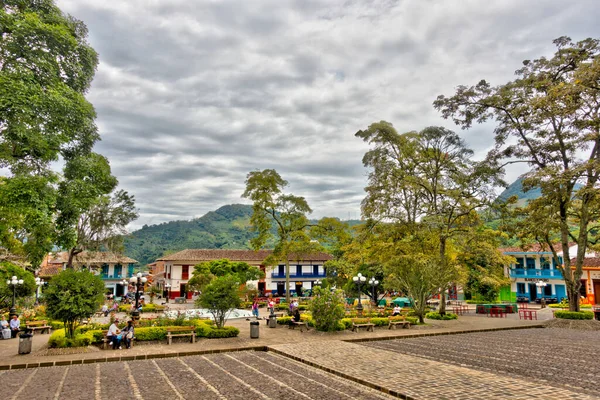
191	96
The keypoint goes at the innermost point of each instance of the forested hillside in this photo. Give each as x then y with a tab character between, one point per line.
226	228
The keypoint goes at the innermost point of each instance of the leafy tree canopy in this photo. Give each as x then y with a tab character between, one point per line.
220	296
548	119
72	296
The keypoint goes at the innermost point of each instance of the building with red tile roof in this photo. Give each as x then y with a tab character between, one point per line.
176	269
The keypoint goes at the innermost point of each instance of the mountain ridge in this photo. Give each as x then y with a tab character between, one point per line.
227	227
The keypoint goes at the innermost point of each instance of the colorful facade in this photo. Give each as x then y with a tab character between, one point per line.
176	270
537	264
111	267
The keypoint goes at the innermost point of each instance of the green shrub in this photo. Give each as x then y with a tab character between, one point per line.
380	321
57	339
151	333
282	306
566	305
574	314
347	322
224	332
284	320
436	315
202	330
327	308
84	339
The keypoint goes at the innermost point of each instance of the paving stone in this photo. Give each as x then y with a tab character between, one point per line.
418	377
555	357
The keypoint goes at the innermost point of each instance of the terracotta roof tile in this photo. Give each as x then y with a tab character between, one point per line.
91	258
533	248
588	262
234	255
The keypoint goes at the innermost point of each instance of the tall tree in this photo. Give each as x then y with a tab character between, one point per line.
425	178
288	212
549	119
89	217
46	67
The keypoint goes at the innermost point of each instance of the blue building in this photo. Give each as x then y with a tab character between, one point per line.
534	266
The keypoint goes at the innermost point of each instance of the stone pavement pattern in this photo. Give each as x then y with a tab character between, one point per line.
548	356
417	377
240	375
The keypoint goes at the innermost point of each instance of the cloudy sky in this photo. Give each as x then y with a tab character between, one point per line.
192	95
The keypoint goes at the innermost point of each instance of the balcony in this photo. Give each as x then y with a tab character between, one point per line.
117	276
277	275
535	273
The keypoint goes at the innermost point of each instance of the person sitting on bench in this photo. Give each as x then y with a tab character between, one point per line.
397	311
296	314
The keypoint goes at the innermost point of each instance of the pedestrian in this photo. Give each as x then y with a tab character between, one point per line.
114	307
128	333
114	335
255	308
271	305
105	310
15	326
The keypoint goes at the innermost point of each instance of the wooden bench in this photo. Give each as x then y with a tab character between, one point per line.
394	322
293	324
181	331
38	326
356	325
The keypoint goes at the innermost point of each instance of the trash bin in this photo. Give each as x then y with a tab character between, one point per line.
25	340
272	321
254	330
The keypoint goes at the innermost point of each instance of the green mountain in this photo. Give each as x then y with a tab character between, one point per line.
516	189
226	228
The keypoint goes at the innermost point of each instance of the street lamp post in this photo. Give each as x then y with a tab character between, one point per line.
541	285
374	282
138	282
14	282
39	283
359	279
168	287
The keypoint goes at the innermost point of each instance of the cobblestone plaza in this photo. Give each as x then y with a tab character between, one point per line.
482	365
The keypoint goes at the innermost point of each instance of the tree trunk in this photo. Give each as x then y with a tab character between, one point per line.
72	253
287	281
442	309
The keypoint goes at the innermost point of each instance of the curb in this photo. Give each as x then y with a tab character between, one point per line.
128	358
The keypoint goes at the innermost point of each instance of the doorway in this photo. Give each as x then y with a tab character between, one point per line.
596	291
182	291
280	288
532	292
299	289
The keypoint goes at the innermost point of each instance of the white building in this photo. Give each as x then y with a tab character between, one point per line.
176	269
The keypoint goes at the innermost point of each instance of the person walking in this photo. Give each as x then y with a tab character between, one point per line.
255	308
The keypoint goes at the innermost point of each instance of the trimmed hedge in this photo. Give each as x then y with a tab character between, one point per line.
574	314
437	316
559	305
58	339
224	332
